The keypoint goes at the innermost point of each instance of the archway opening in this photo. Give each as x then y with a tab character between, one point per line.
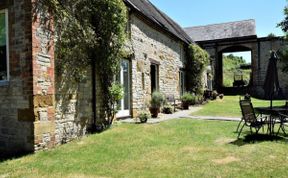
236	68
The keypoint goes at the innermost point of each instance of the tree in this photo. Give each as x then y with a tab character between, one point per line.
89	32
283	52
284	24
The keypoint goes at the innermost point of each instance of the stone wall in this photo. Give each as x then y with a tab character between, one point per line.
260	53
43	78
37	112
153	45
16	95
265	46
73	107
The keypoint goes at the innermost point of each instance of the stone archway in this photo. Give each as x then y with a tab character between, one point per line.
217	39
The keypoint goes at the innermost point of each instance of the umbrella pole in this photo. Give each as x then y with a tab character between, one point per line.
271	99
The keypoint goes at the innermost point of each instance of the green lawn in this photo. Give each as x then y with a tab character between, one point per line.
229	107
177	148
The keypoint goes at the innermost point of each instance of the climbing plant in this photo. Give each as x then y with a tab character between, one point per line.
89	33
197	61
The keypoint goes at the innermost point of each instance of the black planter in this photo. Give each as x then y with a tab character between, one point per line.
185	106
143	120
154	112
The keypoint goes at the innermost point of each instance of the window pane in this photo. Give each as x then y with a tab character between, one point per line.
3	55
125	66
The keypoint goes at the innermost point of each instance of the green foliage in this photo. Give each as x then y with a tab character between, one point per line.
90	32
167	109
214	94
144	116
271	35
188	98
157	100
284	23
283	53
231	64
117	93
198	59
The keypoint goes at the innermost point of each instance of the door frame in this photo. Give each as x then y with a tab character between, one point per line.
122	112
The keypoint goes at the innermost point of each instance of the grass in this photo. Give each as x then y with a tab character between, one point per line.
177	148
229	107
231	64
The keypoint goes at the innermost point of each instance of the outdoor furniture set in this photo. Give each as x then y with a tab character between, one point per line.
256	118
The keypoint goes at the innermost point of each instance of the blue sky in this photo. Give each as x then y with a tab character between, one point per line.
267	13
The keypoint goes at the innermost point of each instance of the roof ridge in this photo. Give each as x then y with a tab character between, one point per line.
172	22
159	18
216	24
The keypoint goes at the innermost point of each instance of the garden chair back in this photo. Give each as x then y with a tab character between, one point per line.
249	117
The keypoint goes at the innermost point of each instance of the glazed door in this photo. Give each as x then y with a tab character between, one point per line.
124	78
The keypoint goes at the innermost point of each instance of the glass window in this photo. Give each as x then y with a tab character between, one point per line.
124	78
3	46
181	82
154	77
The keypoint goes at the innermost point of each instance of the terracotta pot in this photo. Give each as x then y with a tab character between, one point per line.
154	112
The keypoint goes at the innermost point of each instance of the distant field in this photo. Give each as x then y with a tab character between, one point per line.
230	65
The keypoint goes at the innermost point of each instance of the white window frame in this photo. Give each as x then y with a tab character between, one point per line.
5	11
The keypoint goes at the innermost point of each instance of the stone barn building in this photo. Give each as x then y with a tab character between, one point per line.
239	36
39	112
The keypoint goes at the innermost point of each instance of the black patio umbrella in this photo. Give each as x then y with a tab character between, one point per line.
271	85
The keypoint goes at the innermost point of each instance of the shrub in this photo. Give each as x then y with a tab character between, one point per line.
188	98
221	96
157	100
200	99
167	109
144	116
117	93
247	97
214	95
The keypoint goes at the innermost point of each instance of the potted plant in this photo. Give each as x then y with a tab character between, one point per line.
157	100
214	95
187	99
144	116
221	96
167	109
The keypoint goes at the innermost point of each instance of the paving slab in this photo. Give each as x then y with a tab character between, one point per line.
179	115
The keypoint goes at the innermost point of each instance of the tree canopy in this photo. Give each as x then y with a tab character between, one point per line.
283	53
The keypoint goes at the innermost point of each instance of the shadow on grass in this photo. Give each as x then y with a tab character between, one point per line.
258	138
9	156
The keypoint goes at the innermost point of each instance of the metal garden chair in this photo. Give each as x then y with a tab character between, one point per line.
249	118
283	120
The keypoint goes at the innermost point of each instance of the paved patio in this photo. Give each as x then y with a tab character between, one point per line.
179	115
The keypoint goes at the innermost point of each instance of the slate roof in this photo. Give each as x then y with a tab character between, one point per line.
236	29
159	18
